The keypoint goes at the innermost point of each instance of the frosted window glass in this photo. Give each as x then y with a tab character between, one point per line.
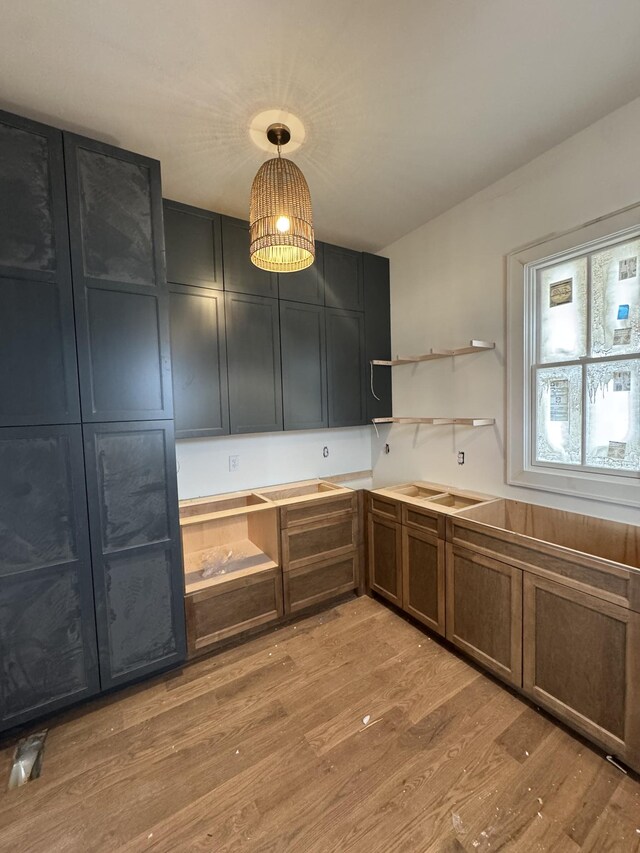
559	415
615	300
562	311
613	415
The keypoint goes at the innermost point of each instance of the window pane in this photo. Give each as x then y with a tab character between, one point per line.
559	415
613	415
615	300
562	311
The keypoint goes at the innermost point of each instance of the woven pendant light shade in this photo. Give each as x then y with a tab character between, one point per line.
280	222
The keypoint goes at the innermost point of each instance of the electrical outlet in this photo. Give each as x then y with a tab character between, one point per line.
461	457
325	452
234	463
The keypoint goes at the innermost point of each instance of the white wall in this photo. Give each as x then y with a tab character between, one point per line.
448	286
270	458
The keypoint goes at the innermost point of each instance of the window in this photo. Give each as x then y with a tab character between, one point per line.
585	336
574	362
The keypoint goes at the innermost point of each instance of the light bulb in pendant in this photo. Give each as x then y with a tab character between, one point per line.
283	224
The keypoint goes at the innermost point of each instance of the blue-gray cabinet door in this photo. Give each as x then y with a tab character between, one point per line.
47	630
240	275
38	370
198	361
135	545
254	363
305	285
346	367
193	241
377	325
304	365
121	299
343	283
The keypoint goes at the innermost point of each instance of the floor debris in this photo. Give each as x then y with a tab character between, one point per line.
27	760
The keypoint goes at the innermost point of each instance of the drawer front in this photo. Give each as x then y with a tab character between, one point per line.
318	582
385	507
317	509
423	520
320	541
231	608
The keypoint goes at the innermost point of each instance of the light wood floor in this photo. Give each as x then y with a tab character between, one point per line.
264	747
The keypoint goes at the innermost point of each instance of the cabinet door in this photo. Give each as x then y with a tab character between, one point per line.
198	361
254	366
38	371
345	367
47	629
484	611
423	578
135	543
117	254
377	333
385	558
304	366
582	662
193	240
343	286
305	285
240	275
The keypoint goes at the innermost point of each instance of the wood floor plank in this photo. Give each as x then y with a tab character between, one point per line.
262	747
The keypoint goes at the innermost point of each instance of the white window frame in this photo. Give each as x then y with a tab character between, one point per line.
592	484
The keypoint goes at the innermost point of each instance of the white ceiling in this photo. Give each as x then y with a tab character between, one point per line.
409	105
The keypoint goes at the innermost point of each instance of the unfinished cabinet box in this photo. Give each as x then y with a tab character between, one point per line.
320	536
484	611
233	580
582	662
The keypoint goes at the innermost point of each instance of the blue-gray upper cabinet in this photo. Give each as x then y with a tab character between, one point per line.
240	275
306	285
254	363
346	367
304	365
47	630
377	323
38	371
198	361
343	282
121	299
135	544
193	241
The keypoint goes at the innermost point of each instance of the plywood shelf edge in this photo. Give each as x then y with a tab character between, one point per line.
474	422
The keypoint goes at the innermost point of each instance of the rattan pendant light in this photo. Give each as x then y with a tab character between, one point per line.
280	221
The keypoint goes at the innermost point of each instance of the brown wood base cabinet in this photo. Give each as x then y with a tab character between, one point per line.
320	548
423	578
385	558
582	663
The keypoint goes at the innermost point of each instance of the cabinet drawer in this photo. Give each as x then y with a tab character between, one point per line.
231	608
317	509
322	540
318	582
424	519
387	508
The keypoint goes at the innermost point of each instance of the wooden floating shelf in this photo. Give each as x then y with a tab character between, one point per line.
474	346
474	422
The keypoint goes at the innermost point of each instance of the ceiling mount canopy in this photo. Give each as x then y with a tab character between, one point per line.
280	219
